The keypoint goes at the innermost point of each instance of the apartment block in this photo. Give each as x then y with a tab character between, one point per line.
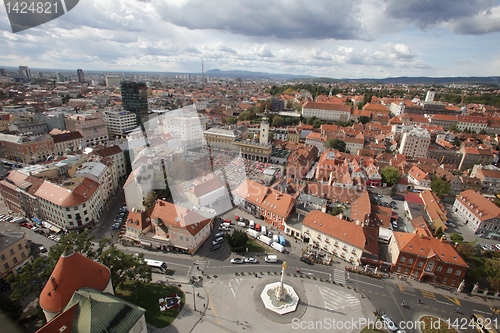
415	143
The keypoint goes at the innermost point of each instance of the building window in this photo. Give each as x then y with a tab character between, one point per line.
11	251
444	280
410	261
420	264
458	272
6	266
449	270
19	246
399	269
14	260
2	257
406	271
402	259
23	255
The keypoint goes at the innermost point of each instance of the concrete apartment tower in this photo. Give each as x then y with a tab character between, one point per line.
431	93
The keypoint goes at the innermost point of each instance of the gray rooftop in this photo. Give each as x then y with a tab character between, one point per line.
7	239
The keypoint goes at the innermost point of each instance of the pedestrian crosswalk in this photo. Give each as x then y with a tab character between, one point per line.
338	300
339	276
199	267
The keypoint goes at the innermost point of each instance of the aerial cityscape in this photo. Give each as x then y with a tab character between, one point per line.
174	167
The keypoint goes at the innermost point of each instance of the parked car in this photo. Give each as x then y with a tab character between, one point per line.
242	224
215	247
389	323
237	261
217	241
498	247
251	260
307	260
42	249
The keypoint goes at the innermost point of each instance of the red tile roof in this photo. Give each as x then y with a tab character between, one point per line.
347	232
422	245
66	198
63	319
71	273
177	216
478	205
327	106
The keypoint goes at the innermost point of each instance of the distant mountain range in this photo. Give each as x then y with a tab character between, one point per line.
254	75
390	80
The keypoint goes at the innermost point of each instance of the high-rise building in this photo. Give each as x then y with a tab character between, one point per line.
81	78
113	81
24	72
135	98
59	77
415	143
264	131
3	72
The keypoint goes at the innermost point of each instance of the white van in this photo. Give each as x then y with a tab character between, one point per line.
263	230
271	258
278	247
251	225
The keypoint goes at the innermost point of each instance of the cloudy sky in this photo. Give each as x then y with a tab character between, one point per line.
334	38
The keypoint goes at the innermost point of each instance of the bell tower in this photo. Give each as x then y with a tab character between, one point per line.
264	130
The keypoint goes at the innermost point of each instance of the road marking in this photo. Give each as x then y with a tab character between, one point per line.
370	284
453	299
401	287
312	270
227	308
173	263
428	294
408	294
213	310
444	302
481	311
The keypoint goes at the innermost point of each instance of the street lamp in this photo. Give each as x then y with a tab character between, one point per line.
194	298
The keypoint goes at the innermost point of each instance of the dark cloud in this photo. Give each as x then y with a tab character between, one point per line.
425	13
485	22
321	19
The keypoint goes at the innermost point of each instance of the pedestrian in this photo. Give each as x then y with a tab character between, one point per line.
202	273
456	310
197	267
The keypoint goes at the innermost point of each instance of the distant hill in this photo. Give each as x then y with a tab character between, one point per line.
430	80
254	75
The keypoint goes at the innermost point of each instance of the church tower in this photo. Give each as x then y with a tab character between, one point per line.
264	130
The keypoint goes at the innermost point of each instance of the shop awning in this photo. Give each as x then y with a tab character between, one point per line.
46	225
36	220
146	244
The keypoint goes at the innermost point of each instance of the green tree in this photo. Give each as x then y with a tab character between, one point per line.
394	189
237	240
466	250
364	119
438	233
336	211
492	269
359	105
456	238
125	267
34	276
390	175
12	309
278	121
231	120
440	187
335	144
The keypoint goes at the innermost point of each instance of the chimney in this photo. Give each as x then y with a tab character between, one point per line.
456	245
54	283
421	235
442	239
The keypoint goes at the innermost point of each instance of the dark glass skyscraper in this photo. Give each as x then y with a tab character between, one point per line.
135	98
81	78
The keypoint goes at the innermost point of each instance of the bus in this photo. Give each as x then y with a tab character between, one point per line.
156	266
482	324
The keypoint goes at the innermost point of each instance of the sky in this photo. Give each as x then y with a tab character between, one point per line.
327	38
